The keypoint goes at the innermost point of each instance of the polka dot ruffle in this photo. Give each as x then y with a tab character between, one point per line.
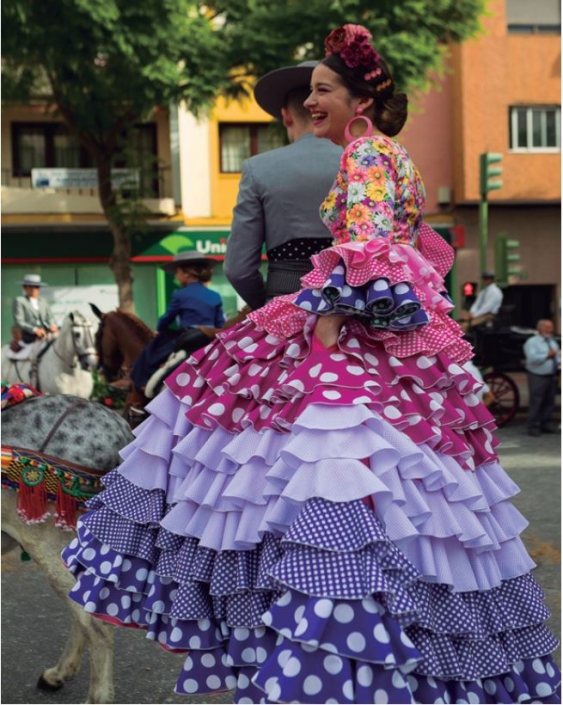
377	260
356	640
252	378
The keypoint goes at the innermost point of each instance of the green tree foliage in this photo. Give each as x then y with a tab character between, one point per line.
412	35
106	64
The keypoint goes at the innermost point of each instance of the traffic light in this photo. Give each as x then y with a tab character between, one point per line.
488	172
506	258
468	294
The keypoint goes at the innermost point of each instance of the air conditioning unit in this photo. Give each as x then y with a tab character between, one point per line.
444	195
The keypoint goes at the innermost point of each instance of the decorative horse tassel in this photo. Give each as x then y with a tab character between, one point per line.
40	479
65	510
32	496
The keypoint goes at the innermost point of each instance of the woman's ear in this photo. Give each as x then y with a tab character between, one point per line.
364	104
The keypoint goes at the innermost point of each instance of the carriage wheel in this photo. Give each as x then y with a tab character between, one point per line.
506	394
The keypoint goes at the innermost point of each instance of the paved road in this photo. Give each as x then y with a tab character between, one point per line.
34	623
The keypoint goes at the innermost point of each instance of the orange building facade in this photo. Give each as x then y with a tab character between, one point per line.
501	94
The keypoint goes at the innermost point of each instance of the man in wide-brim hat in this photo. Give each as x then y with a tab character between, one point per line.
33	317
280	193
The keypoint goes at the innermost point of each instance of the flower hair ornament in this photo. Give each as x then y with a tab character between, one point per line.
352	43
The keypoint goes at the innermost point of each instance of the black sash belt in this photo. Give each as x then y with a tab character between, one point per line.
285	277
287	263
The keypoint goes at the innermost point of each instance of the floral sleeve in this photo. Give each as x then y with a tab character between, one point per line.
371	191
377	194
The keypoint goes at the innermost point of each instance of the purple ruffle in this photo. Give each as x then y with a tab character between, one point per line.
380	304
229	589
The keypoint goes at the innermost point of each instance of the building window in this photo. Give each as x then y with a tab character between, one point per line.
50	145
142	156
37	145
535	129
533	29
537	17
242	140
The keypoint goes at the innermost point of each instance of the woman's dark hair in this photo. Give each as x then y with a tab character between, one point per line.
390	109
202	272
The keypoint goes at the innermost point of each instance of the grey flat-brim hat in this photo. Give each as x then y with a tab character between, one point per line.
272	88
188	257
32	280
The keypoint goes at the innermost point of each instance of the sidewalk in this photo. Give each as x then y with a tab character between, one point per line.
521	381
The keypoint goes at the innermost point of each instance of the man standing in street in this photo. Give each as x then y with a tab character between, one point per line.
486	305
543	362
279	195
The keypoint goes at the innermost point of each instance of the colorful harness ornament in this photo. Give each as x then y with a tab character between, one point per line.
39	478
13	394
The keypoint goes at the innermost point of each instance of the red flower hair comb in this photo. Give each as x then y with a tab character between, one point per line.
352	43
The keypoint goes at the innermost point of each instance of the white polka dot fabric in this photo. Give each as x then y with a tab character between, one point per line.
320	525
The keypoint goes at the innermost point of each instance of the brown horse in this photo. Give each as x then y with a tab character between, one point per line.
120	339
188	343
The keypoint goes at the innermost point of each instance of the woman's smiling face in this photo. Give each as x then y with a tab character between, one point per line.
331	105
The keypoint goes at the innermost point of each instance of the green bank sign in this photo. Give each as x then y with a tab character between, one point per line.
205	242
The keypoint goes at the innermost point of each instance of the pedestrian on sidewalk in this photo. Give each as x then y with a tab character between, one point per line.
543	362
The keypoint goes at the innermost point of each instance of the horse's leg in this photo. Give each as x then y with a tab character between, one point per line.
68	665
85	631
44	543
98	636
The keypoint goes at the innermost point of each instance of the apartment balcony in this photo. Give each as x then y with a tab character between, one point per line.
21	197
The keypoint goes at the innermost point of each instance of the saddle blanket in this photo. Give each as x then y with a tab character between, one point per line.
27	351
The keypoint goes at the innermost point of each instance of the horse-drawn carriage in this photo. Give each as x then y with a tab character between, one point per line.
498	354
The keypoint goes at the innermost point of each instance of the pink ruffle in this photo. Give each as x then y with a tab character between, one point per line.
250	378
372	260
282	319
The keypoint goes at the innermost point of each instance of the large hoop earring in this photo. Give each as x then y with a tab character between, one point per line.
368	132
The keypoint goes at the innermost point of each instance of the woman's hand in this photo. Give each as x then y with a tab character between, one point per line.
327	328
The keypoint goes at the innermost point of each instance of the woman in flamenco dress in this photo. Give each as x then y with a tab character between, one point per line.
314	511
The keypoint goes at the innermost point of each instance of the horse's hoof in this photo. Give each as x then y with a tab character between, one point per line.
42	684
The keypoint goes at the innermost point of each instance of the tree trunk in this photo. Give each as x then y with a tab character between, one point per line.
120	259
120	264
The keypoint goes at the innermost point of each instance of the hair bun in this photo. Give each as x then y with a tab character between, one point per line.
391	115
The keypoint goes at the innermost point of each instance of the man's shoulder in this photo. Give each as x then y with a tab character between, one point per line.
305	146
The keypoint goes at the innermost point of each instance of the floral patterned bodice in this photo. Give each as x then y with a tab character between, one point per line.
378	193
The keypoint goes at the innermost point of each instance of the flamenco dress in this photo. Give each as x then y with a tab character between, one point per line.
329	525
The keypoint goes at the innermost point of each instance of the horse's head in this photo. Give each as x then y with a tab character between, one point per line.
110	358
79	329
120	339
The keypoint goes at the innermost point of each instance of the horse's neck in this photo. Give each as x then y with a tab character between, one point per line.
129	339
64	348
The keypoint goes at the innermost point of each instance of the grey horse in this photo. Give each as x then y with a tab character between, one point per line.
90	435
